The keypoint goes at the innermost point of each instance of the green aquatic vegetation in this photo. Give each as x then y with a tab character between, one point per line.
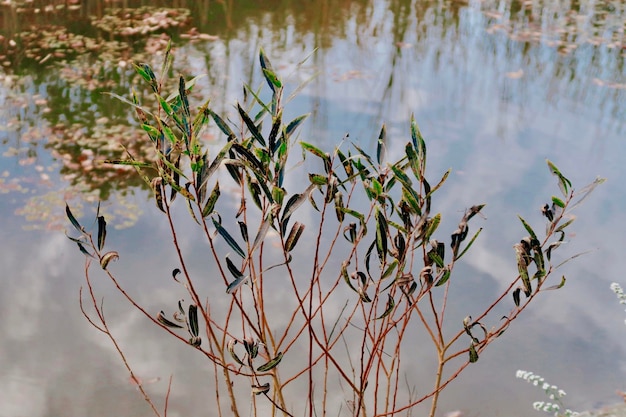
324	268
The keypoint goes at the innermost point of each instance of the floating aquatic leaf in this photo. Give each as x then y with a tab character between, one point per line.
161	319
102	232
108	257
271	364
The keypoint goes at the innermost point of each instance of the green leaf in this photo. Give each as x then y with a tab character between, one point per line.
380	148
418	143
294	124
564	183
560	285
221	124
229	239
316	151
473	355
318	179
209	207
469	245
271	364
529	229
233	269
251	126
558	202
444	278
564	225
389	308
272	79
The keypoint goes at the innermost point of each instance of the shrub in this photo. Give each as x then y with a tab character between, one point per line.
377	272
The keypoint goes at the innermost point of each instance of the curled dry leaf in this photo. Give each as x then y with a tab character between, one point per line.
108	257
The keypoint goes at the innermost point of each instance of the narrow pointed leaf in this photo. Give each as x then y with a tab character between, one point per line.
229	239
473	355
271	364
72	219
167	323
254	131
294	124
234	286
233	354
294	236
389	308
193	320
380	148
102	232
559	285
233	269
528	228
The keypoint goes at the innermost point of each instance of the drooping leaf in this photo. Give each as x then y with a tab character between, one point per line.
232	268
516	296
296	201
469	245
564	225
243	228
108	257
294	236
559	285
175	272
389	308
229	239
167	323
273	363
381	236
210	204
473	355
72	219
444	277
263	228
260	389
234	286
564	183
193	320
231	349
271	139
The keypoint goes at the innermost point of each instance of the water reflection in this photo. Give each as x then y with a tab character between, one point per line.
496	86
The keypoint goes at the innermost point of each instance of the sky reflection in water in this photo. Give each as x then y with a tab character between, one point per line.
491	107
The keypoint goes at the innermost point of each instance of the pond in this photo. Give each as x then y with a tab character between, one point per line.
496	86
